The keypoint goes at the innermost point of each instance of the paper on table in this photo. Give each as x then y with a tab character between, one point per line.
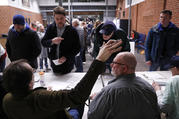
56	62
152	76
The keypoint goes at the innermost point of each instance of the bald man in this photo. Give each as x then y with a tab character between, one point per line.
127	96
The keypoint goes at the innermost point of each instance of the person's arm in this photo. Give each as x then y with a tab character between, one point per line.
167	103
82	38
165	98
69	98
148	45
76	45
8	48
125	40
36	46
47	40
158	90
177	53
177	42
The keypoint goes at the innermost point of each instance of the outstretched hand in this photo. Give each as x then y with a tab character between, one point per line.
57	40
108	49
156	86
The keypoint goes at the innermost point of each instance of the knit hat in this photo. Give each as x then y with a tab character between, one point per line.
107	28
18	19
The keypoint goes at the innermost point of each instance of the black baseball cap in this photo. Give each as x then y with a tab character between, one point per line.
107	28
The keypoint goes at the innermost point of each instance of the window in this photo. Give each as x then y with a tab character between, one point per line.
97	0
61	0
128	2
26	3
123	13
81	0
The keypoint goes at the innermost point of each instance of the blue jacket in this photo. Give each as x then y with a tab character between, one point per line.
162	43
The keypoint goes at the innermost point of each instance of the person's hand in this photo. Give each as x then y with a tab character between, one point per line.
57	40
49	88
149	63
177	53
108	49
93	96
156	86
62	60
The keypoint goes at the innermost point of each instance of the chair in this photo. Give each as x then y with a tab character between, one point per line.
140	43
4	35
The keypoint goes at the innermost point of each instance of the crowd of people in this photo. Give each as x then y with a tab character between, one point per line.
127	96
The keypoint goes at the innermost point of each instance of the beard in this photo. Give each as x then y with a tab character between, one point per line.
113	73
60	25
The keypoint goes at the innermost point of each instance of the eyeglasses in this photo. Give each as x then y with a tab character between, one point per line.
117	63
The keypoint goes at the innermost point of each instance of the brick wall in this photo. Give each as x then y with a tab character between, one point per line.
7	13
174	6
146	14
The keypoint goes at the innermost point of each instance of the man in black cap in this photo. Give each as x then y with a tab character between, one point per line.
107	32
168	99
22	42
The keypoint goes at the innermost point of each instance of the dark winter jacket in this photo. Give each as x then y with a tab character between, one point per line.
68	48
162	43
23	45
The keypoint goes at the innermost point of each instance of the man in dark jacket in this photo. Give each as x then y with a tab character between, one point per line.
107	32
162	43
22	102
22	42
63	41
127	96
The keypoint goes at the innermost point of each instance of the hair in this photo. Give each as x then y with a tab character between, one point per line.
129	59
16	77
76	21
97	23
166	12
59	10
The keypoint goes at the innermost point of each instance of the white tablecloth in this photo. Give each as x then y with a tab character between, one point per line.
69	81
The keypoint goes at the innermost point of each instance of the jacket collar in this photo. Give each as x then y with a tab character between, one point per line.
171	25
123	77
26	27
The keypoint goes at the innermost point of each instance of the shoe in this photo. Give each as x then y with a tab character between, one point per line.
47	69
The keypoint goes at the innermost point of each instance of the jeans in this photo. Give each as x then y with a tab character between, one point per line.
77	112
74	113
163	64
41	63
79	63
